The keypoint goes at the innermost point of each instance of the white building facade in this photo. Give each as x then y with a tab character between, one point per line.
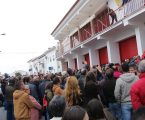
86	33
45	63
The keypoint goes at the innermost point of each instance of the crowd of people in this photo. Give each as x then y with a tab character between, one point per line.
109	92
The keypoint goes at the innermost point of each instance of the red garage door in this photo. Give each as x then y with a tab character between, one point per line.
128	48
87	59
103	55
75	61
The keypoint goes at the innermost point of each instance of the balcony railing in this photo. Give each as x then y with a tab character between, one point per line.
59	52
133	6
103	22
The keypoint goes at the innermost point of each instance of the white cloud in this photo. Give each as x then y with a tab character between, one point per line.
27	24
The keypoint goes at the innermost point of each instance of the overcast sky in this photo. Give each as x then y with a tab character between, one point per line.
28	25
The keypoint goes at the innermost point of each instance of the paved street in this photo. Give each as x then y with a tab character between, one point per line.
2	114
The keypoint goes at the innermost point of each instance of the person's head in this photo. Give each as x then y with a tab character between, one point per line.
56	80
90	77
95	110
26	79
65	74
12	81
111	65
72	83
36	78
70	72
109	73
49	86
139	114
83	72
45	77
19	85
133	68
27	89
87	67
49	75
125	67
75	113
94	70
141	66
71	86
57	106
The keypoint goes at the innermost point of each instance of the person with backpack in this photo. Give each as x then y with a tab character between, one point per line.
45	81
48	95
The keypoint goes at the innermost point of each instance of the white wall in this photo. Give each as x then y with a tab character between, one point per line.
52	62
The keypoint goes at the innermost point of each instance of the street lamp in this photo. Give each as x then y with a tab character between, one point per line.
3	34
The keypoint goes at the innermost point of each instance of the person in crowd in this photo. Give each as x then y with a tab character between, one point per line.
37	82
35	110
63	82
91	89
122	91
133	69
82	79
42	86
22	102
32	87
113	15
117	72
108	89
57	107
1	94
99	73
95	110
72	92
86	66
138	88
4	83
46	99
77	73
139	114
9	90
56	87
70	72
48	91
75	113
63	79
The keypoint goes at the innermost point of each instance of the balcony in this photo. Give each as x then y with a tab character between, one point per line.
133	6
102	22
75	40
59	51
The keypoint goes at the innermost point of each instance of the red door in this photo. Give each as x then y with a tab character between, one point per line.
128	48
103	55
87	59
75	61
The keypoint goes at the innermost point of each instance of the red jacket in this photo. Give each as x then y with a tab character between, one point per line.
138	92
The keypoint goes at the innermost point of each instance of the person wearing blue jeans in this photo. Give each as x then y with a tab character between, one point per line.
122	91
115	109
10	110
127	110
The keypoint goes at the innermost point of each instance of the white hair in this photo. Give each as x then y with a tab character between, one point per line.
141	66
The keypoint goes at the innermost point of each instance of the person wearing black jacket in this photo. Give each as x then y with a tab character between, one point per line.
108	89
91	89
9	90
